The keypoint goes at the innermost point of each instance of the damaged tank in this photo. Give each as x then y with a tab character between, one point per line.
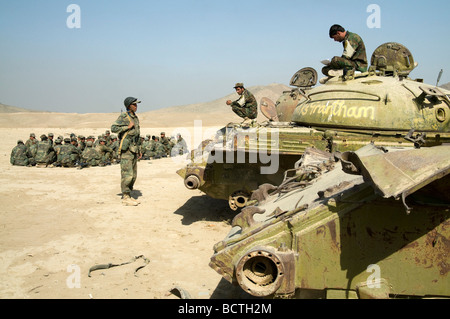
383	106
371	223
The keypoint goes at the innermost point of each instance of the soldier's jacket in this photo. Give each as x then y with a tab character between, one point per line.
90	156
181	147
56	147
68	155
246	105
105	152
115	148
20	155
44	152
166	144
355	50
132	138
30	142
81	145
33	149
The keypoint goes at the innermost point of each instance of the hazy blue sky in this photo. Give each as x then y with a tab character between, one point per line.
177	52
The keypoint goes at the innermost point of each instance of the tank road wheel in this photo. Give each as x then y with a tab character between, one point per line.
238	200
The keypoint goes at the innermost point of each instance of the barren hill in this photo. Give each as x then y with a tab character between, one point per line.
210	113
12	109
446	86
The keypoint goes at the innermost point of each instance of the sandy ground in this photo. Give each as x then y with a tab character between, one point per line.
56	223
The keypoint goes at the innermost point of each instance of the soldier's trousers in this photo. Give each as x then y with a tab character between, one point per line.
128	169
339	63
249	112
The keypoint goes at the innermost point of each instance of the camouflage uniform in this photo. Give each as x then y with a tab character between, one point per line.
115	148
30	144
165	143
57	145
90	156
67	155
45	154
129	149
20	155
246	106
180	148
31	140
81	143
104	151
353	57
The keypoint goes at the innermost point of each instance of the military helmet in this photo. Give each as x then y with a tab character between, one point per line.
130	100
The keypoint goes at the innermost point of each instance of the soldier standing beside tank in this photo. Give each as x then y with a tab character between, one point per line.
246	106
128	130
354	55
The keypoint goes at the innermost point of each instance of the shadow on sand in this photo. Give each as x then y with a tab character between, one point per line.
205	208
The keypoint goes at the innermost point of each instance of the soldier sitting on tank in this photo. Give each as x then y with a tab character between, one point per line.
246	106
354	55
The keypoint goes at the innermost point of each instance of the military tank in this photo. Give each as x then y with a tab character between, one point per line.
383	106
372	223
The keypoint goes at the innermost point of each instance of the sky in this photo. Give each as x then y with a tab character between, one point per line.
89	57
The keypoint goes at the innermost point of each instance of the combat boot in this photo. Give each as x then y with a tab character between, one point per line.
127	200
339	72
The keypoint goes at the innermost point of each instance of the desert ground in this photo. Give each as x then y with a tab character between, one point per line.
56	223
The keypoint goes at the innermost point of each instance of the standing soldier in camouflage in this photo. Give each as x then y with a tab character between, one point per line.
128	130
354	55
246	106
21	155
